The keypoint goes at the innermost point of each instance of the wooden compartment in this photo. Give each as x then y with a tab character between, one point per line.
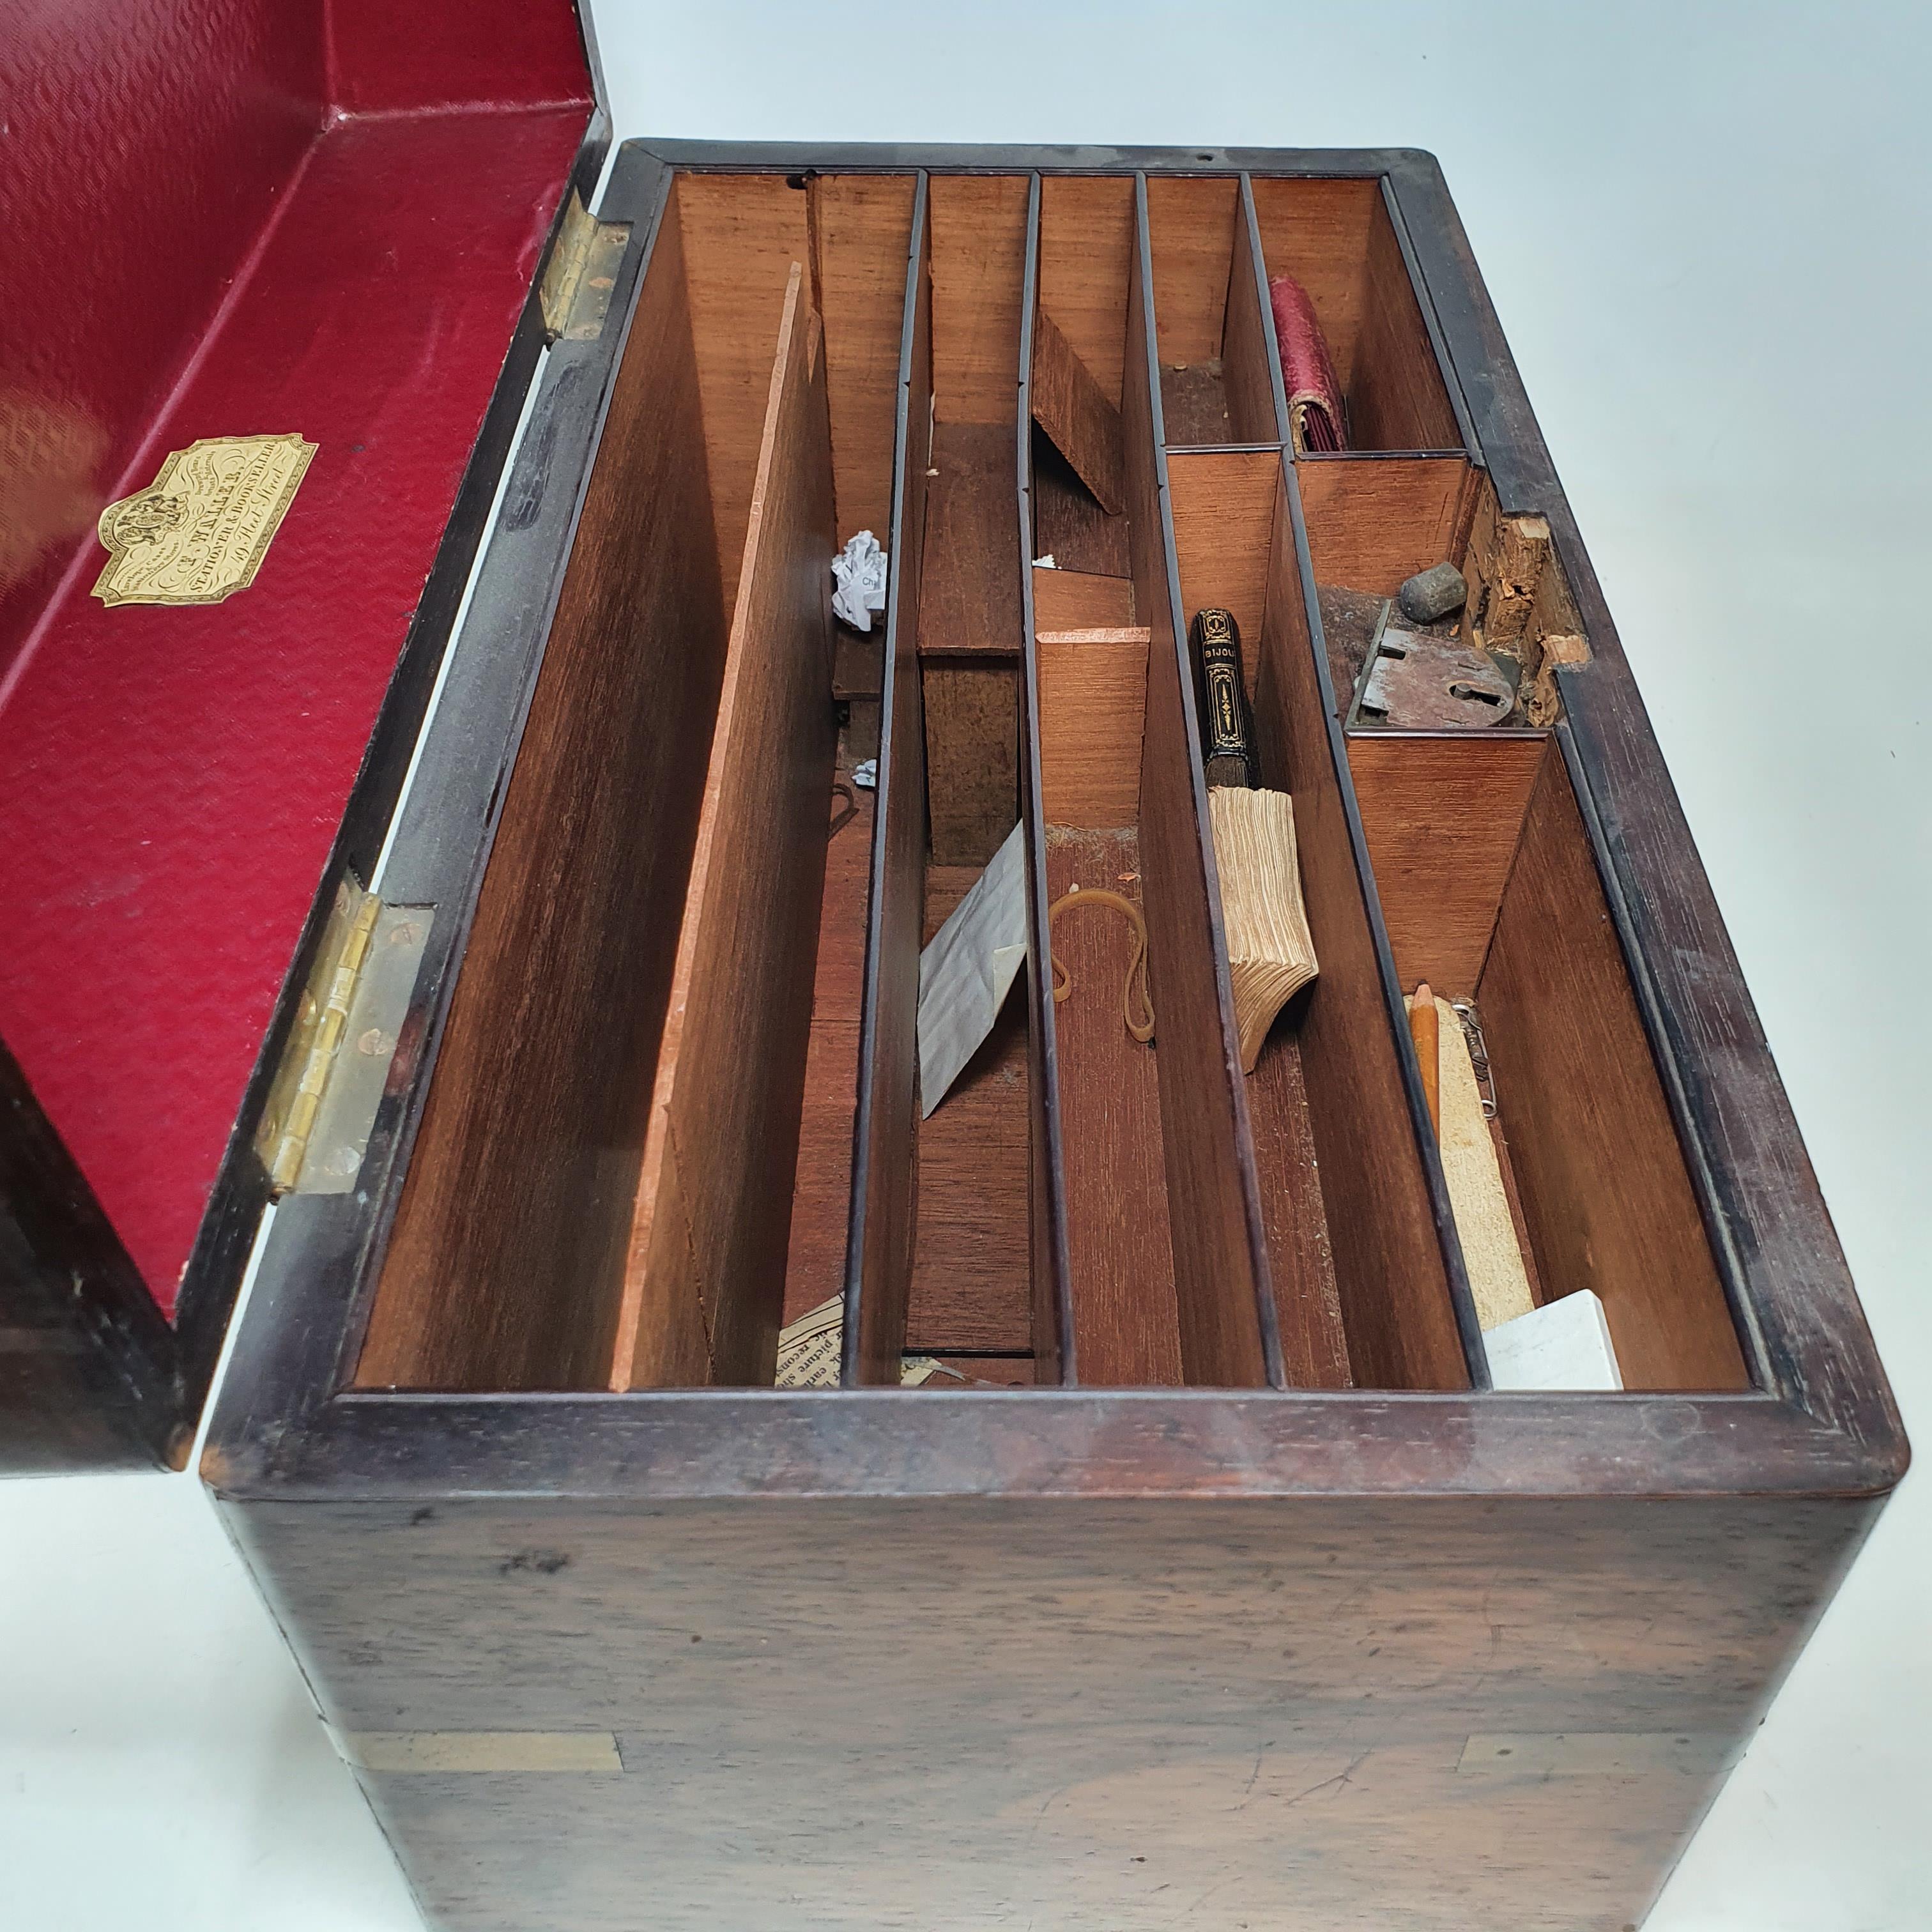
1362	1291
1338	238
1215	346
586	1214
944	1247
1492	896
1160	1289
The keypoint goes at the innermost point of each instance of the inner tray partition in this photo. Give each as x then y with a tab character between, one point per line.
1362	1284
602	1177
1339	239
1214	344
944	1215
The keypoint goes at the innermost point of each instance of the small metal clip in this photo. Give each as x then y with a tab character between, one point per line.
1479	1055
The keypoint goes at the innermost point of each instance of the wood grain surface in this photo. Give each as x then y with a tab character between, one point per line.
1335	238
505	1265
1223	504
709	1236
1211	1210
1068	526
1075	413
1604	1189
1443	814
861	225
1092	708
969	583
972	1277
1191	224
948	1714
1086	243
822	1191
1399	400
972	756
1247	350
1374	521
1288	1177
1389	1269
1126	1324
740	235
1078	600
979	261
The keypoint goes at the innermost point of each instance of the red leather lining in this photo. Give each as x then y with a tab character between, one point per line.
171	779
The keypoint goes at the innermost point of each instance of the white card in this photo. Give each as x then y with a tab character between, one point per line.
1563	1345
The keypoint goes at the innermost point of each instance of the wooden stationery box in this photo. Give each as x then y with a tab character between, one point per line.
1207	1565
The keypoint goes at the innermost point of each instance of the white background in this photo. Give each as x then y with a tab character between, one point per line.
1706	231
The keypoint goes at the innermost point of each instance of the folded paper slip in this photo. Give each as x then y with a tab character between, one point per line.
1315	411
966	972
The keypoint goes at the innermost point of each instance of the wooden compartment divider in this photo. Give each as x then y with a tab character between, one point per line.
878	1262
1056	1336
1220	1263
704	1279
542	1069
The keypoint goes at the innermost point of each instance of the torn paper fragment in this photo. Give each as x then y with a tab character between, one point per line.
966	972
865	775
810	1348
1563	1345
859	576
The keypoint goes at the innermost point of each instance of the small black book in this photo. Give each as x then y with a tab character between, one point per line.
1226	735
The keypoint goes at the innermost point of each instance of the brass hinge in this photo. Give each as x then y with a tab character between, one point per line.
575	292
322	1103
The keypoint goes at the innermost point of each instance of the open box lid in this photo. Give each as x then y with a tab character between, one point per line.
307	237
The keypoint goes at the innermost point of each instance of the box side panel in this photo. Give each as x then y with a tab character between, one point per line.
1306	1714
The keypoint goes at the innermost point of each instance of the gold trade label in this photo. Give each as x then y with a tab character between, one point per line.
198	533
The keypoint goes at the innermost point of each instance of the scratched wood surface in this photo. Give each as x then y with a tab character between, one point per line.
956	1715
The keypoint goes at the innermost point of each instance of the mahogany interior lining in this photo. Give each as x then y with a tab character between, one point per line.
1081	1207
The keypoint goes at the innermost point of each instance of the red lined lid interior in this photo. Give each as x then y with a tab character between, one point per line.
228	218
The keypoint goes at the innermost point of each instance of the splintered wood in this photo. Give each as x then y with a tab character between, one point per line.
1271	956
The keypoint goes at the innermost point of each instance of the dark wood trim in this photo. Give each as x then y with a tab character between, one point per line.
1783	1269
1056	1344
884	1205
